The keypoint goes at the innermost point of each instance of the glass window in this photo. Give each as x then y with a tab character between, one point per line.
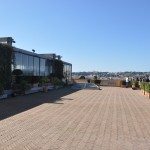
36	66
25	64
48	68
30	65
67	71
42	67
18	61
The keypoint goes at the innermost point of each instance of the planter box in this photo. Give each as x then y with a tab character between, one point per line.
58	87
8	92
38	89
147	94
143	92
50	87
3	96
35	84
34	90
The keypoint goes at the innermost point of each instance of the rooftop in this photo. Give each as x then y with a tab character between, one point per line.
109	119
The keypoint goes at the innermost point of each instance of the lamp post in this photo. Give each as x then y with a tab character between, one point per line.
33	50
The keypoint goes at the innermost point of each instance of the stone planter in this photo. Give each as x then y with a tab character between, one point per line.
33	90
35	84
3	96
8	92
58	87
134	87
147	94
45	89
50	87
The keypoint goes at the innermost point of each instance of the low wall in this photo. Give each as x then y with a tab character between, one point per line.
79	80
115	83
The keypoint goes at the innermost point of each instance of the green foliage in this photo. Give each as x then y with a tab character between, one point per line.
24	85
142	85
17	76
145	86
58	69
1	89
6	58
56	81
17	72
44	80
32	79
135	84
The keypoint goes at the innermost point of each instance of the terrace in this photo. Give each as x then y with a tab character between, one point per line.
112	118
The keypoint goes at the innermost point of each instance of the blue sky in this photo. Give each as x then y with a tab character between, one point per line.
94	35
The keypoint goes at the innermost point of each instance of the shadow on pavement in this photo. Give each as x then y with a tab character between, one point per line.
15	105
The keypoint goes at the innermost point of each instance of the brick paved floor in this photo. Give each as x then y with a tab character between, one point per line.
107	119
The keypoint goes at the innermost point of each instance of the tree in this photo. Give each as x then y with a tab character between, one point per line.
6	58
57	69
82	77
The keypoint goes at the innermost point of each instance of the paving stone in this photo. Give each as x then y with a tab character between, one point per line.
109	119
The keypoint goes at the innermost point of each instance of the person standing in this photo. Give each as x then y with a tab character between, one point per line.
127	82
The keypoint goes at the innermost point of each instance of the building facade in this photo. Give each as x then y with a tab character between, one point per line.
33	64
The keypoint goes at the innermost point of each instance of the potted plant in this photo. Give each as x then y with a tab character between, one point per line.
135	85
20	87
57	82
44	82
24	86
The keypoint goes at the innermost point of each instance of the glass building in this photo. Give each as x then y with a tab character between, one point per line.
32	64
67	71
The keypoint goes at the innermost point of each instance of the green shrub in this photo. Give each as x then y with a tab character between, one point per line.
147	87
57	82
17	72
44	80
135	84
6	59
24	85
142	85
58	69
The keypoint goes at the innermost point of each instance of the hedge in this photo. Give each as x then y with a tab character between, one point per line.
145	86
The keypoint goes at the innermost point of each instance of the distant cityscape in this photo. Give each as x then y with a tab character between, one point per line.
111	75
